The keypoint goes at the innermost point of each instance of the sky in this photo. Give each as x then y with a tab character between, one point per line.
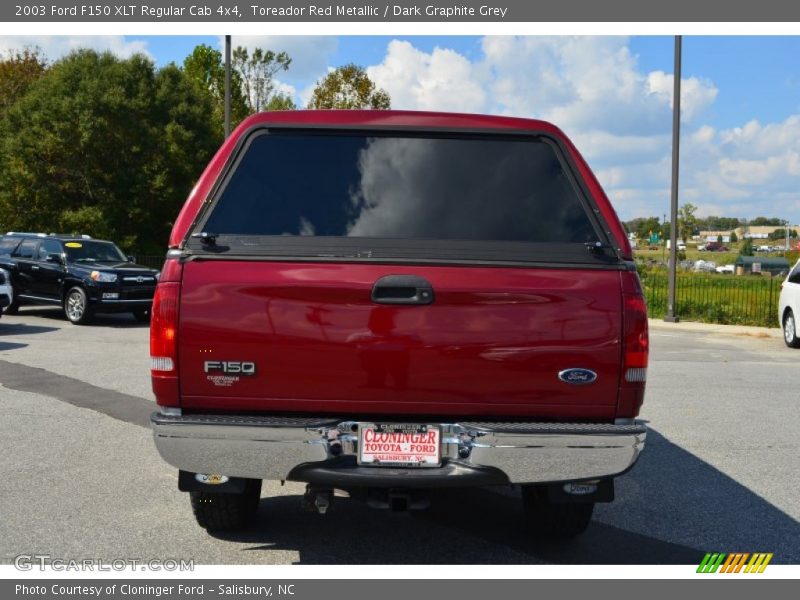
740	121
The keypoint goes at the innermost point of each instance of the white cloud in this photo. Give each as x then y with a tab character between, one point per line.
285	89
581	83
761	162
54	47
704	135
696	94
619	116
603	148
310	54
441	80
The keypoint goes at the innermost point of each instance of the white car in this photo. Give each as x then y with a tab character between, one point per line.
727	269
705	266
789	306
6	295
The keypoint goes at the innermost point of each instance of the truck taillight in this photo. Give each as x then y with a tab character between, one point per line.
164	343
635	346
164	328
636	340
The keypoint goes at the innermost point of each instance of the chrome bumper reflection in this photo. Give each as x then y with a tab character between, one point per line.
270	447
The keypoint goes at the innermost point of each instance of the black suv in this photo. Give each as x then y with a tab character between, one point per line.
81	274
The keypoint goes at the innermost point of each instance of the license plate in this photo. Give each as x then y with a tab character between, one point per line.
399	445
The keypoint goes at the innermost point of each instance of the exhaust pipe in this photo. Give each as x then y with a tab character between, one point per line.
317	499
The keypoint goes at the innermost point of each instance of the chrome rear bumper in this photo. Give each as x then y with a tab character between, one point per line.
288	448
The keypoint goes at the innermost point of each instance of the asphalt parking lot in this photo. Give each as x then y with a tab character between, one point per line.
81	477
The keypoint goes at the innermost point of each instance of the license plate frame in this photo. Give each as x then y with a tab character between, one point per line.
400	446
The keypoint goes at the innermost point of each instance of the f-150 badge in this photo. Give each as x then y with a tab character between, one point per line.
577	376
224	373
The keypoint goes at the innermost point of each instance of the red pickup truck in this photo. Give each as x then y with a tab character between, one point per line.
384	303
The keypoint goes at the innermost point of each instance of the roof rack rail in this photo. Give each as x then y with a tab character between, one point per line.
82	236
26	233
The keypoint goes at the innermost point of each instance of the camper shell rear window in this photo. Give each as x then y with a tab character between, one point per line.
401	195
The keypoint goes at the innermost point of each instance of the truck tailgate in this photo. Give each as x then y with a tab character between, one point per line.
492	343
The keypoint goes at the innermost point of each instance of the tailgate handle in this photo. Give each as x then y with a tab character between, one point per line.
402	289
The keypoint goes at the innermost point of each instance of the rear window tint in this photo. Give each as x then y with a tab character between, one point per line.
392	187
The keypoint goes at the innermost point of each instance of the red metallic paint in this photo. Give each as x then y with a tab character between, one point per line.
493	343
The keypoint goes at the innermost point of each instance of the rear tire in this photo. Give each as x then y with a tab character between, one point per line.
554	520
76	306
12	308
226	512
790	330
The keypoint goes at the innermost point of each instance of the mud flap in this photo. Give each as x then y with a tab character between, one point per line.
212	483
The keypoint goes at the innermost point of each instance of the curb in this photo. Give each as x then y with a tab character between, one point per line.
737	330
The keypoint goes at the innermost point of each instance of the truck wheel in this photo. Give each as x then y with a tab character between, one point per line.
76	306
222	512
790	330
551	519
12	308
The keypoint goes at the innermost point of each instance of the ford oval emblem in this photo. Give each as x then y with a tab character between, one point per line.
577	376
211	478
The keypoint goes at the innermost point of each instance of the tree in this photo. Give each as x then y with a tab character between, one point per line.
205	67
18	70
687	222
105	146
722	223
747	248
256	72
734	237
348	87
281	102
764	221
666	230
780	234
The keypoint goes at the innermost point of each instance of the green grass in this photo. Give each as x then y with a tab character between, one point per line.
692	253
721	258
712	298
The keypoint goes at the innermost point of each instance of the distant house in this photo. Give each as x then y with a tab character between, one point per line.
760	232
713	236
765	264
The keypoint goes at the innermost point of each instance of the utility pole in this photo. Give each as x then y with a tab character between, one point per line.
227	86
786	232
673	229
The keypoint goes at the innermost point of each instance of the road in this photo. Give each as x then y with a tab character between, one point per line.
81	477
